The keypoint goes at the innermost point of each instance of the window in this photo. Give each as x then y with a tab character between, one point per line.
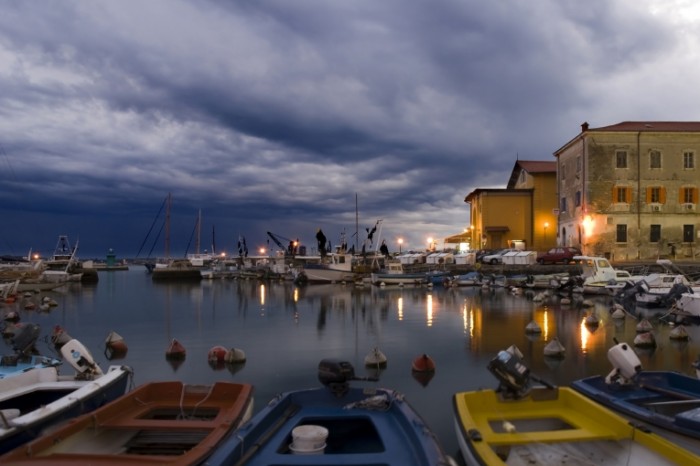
621	159
688	233
578	199
656	194
655	233
622	195
688	160
621	233
688	195
655	159
562	207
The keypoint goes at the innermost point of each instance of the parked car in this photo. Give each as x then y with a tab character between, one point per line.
496	257
559	255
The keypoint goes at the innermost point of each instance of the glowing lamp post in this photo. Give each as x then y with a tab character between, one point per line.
546	225
400	241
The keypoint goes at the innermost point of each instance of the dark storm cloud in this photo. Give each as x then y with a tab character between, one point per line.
275	115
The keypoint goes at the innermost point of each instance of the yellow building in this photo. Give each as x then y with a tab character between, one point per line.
630	190
521	215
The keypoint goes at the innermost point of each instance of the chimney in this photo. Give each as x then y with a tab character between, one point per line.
584	127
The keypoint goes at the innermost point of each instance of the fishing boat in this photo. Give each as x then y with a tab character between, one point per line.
333	268
39	399
668	399
529	421
164	423
334	424
394	274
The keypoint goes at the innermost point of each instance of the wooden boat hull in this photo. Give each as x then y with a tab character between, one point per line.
391	434
554	426
667	399
46	404
156	423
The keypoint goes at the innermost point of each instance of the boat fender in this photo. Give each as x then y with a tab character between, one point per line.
475	435
509	427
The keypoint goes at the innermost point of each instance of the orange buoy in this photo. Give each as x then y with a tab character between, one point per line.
175	350
217	354
423	363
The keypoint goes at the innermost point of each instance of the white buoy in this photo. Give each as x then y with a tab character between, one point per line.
645	340
644	326
679	333
375	358
565	301
533	327
554	349
618	314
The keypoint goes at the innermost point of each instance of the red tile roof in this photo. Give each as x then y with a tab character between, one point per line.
667	126
537	166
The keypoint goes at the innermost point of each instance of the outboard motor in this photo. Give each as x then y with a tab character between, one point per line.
626	365
512	374
81	360
25	338
336	375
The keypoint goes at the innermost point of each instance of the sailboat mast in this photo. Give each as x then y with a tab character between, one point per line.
167	226
199	229
357	225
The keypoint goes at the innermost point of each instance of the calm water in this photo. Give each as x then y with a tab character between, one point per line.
285	331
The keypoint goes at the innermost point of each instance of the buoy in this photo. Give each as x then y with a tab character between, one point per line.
587	303
115	346
554	349
565	301
11	316
644	326
217	354
59	337
234	356
175	350
423	363
645	340
533	327
679	333
29	305
592	320
375	358
618	313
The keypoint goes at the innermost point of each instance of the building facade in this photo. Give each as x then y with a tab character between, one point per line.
630	191
521	215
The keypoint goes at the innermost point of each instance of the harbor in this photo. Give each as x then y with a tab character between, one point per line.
285	330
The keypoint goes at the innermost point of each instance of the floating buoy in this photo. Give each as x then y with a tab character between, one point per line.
423	378
11	316
29	305
679	333
644	326
645	340
587	303
375	358
592	320
538	297
554	349
618	313
533	327
565	301
175	350
59	336
423	363
115	346
234	356
217	354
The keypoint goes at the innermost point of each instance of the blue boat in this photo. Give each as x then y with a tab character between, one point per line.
335	424
666	399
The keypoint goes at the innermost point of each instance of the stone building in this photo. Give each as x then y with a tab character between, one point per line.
630	191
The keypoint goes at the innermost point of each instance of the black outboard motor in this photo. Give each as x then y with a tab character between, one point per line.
337	374
512	374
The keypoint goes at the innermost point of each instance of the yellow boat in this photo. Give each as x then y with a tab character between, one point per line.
523	425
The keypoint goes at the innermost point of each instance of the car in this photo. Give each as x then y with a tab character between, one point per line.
496	257
559	255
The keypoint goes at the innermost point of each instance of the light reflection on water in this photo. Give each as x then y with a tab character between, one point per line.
285	331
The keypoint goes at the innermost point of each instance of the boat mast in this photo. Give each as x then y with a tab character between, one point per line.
357	225
167	226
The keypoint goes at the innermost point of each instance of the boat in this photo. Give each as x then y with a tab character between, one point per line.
394	274
597	276
667	399
334	424
333	268
45	399
157	423
529	421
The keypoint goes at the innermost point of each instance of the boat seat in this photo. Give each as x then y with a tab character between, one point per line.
564	435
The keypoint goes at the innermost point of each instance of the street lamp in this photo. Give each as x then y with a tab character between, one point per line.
400	240
546	225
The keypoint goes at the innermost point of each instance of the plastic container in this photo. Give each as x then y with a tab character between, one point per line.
308	440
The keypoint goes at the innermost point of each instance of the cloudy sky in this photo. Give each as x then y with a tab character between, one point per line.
293	115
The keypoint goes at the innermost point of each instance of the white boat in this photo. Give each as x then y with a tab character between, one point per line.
40	398
333	268
393	274
597	276
688	305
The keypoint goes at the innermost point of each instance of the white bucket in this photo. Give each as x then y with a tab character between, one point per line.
308	440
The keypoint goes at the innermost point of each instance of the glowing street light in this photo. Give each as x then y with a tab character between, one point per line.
400	241
546	225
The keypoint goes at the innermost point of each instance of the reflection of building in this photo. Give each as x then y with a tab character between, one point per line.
520	213
630	190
